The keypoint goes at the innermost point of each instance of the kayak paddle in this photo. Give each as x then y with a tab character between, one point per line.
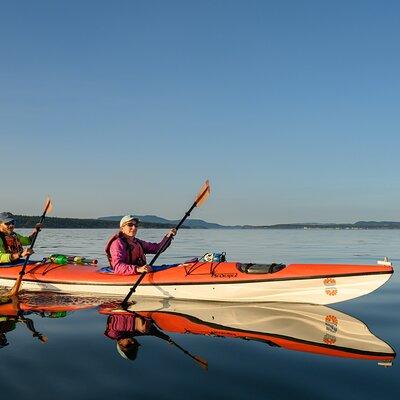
199	360
48	207
201	198
19	314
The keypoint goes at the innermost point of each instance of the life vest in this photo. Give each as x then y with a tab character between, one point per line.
135	252
11	243
122	326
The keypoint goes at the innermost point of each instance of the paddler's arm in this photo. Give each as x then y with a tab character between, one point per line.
153	248
38	228
25	241
6	258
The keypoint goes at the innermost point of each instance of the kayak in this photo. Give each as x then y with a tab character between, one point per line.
300	327
211	281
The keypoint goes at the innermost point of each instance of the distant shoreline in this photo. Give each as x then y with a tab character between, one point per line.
24	221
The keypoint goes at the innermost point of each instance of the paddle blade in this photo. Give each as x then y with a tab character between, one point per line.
48	206
44	339
203	194
202	362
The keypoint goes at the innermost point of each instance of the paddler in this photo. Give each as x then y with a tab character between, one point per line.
11	243
127	254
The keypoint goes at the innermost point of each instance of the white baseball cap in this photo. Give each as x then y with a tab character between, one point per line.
126	219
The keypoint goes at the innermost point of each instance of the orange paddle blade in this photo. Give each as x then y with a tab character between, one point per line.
204	194
48	206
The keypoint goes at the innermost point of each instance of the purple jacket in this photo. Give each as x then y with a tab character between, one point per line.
120	256
120	326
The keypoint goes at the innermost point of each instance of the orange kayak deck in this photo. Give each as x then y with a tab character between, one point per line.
186	274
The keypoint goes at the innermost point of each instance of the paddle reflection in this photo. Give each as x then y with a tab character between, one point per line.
300	327
10	315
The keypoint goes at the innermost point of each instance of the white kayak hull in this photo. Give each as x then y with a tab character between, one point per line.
314	290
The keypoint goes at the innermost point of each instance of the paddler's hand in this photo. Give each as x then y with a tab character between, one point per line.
171	233
27	252
144	268
38	228
24	253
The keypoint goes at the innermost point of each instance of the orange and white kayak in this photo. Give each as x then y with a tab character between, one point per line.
212	281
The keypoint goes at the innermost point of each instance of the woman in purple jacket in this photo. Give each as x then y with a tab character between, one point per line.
127	254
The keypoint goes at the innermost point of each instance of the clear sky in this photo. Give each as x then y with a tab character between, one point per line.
290	108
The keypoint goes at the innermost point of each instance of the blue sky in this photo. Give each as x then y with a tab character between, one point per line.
290	108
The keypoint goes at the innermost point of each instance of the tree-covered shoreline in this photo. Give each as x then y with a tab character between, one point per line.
27	221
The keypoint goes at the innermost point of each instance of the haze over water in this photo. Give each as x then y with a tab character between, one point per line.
80	362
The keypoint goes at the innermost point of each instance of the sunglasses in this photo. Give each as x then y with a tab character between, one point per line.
130	224
10	223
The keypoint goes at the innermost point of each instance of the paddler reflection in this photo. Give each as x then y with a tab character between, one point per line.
10	315
125	328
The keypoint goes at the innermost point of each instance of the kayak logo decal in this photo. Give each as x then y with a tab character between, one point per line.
224	275
330	286
331	327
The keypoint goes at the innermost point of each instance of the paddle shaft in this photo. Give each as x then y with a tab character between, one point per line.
29	324
162	248
199	360
15	289
162	335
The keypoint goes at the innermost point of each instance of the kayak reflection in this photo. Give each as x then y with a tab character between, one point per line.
300	327
16	311
294	326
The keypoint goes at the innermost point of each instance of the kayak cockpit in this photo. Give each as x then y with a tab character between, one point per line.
252	268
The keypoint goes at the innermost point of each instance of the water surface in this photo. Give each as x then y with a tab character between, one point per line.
79	361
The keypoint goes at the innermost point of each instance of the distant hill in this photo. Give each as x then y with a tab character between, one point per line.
200	224
357	225
375	224
190	223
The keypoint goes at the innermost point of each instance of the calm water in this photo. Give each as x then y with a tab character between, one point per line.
80	362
